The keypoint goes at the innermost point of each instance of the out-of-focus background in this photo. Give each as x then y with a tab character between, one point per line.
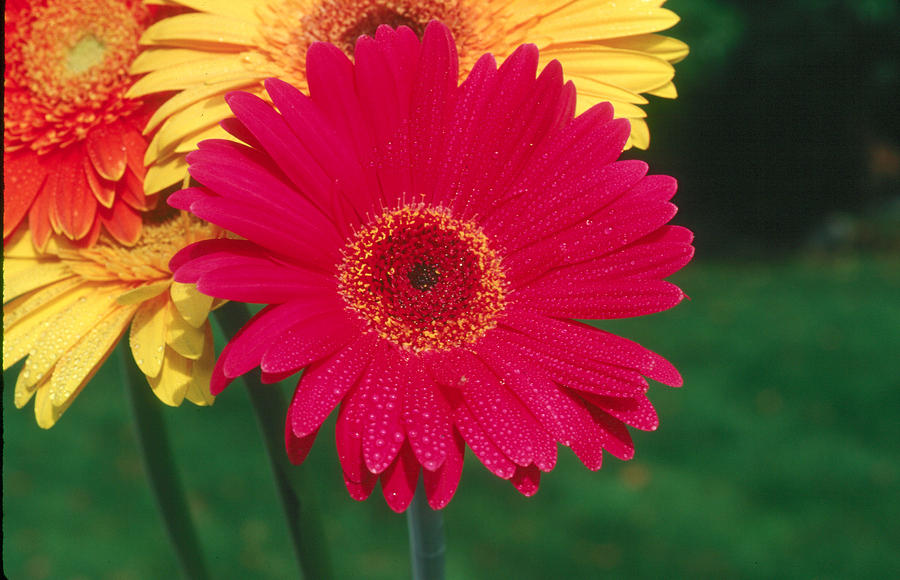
778	458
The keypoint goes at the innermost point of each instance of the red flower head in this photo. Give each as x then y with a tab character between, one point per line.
73	149
422	248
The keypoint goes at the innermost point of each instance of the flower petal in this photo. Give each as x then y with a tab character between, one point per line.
325	383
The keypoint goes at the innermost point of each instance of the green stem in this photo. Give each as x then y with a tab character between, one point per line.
161	469
270	408
426	538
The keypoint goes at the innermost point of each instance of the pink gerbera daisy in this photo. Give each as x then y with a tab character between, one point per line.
422	248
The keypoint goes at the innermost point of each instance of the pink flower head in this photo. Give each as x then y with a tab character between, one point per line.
422	248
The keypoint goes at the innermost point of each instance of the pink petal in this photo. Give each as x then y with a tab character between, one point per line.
281	144
427	417
483	448
597	345
440	485
270	230
611	299
381	395
580	189
636	411
234	127
398	482
321	142
433	93
330	76
644	260
524	112
526	480
359	480
502	416
246	348
308	341
616	438
614	227
270	283
573	368
325	383
297	447
238	172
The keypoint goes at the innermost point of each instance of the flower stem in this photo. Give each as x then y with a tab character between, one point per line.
270	408
161	469
426	538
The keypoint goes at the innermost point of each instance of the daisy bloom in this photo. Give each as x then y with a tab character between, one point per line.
422	248
608	47
72	144
66	308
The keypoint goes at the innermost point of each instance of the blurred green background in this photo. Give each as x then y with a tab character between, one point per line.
779	457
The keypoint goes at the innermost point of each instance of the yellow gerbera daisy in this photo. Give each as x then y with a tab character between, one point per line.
67	307
606	46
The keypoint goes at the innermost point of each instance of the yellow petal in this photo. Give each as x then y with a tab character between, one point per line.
201	372
145	292
196	94
19	245
147	338
172	382
165	174
184	339
667	91
606	91
664	47
243	9
43	410
199	72
640	134
21	333
21	276
590	20
197	30
184	124
192	305
159	58
76	368
21	307
64	330
635	71
190	144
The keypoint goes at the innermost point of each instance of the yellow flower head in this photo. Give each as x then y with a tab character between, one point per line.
607	47
65	309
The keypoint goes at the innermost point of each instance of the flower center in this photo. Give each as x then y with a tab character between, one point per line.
67	69
422	279
147	260
86	54
291	26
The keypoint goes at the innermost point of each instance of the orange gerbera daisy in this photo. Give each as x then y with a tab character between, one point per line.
607	47
73	148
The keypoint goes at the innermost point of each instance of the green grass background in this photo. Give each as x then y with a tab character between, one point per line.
778	458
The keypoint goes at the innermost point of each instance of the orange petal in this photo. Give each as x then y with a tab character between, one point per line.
23	176
135	147
122	222
131	191
91	238
104	190
106	148
39	216
74	204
